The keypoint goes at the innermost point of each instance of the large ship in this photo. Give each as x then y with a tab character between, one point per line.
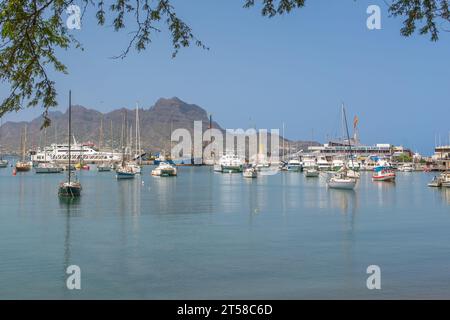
59	153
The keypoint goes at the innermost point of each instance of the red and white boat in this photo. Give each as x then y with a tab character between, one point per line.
384	175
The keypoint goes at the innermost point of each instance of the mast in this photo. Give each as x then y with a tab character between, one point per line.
1	149
348	135
45	144
100	137
136	132
70	131
112	138
24	143
284	150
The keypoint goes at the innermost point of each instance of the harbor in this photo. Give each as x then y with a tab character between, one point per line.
209	235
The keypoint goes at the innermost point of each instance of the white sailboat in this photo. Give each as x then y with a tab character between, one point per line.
341	179
3	162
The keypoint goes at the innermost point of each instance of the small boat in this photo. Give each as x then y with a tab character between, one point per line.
48	168
311	173
104	167
294	165
125	172
250	172
341	181
22	166
3	163
436	182
164	169
384	175
407	167
72	187
231	163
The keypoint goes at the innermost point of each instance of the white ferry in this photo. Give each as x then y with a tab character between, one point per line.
60	153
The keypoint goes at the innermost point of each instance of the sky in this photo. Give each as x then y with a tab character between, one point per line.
295	69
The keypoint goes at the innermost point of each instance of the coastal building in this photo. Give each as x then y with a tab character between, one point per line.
441	157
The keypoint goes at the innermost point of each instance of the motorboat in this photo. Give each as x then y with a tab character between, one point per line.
294	165
231	163
384	175
311	173
48	168
164	169
250	172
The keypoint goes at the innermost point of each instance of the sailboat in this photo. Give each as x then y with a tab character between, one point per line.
341	179
23	165
124	171
103	166
72	187
137	162
3	162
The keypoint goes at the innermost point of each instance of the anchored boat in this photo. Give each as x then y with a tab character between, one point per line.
250	172
23	165
384	175
48	168
341	179
72	187
164	169
294	165
311	173
230	163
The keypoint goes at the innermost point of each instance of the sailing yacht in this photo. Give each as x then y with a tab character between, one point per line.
136	164
125	170
23	165
3	162
341	179
72	187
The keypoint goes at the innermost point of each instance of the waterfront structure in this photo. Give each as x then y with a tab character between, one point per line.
59	153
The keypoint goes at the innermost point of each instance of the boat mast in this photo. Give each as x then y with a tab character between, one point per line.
348	135
112	137
136	132
24	143
70	131
1	149
100	137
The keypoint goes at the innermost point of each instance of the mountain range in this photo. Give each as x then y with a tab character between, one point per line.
156	124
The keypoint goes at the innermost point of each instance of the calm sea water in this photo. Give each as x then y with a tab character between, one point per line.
208	235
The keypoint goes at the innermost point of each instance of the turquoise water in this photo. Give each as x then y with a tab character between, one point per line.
204	235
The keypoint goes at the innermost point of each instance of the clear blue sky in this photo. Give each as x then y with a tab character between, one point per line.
294	69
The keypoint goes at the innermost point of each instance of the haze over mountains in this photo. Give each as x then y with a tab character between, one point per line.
156	124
